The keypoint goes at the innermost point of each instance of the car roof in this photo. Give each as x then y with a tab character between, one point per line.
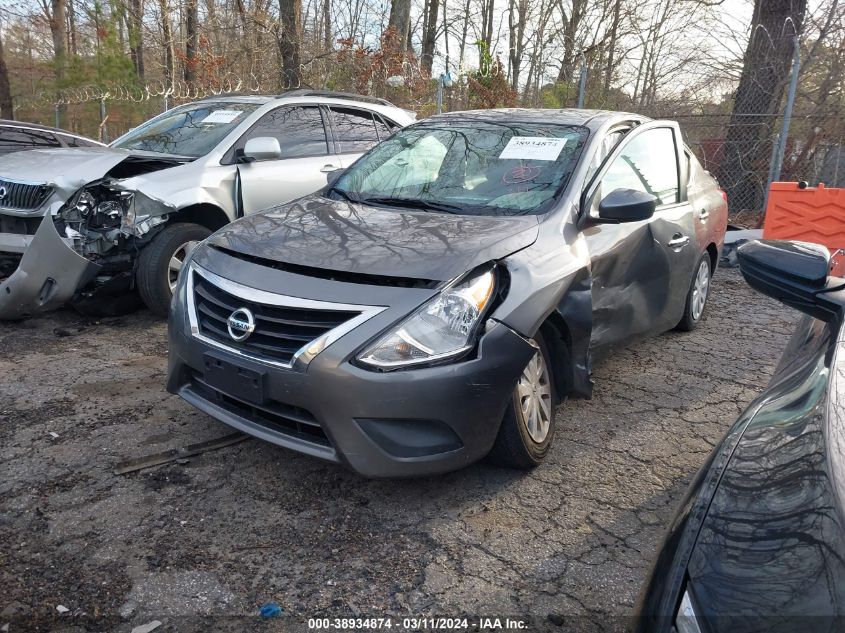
592	119
301	93
38	126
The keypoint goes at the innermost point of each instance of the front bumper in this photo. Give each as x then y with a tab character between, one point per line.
393	424
48	275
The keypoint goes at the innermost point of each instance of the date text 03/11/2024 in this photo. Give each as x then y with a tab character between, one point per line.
418	624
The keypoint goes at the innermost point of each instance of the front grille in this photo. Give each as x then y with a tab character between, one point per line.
23	196
274	416
280	331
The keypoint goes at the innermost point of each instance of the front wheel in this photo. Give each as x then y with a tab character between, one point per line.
160	262
697	295
528	428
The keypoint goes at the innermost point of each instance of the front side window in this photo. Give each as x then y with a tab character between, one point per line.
75	141
299	130
191	130
649	164
467	167
355	129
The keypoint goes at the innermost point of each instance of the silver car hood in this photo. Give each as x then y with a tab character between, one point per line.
72	168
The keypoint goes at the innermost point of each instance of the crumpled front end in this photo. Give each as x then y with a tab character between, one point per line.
73	234
48	274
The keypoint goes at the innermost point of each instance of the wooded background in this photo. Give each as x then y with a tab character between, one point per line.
720	67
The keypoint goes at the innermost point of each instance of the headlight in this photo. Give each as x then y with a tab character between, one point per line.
441	329
686	620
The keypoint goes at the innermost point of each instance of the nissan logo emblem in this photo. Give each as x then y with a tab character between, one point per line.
3	192
241	323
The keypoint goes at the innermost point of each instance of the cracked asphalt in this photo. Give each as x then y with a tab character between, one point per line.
203	543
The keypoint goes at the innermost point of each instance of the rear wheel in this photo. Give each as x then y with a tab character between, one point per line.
528	427
697	295
160	262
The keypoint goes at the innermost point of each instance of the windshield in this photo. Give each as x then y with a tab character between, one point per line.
190	130
467	167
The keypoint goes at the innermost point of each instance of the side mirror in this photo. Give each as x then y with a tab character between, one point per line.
627	205
333	176
794	273
262	148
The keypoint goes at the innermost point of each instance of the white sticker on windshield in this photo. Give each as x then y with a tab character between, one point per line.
533	148
222	116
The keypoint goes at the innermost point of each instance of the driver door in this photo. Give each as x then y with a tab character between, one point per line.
301	169
640	270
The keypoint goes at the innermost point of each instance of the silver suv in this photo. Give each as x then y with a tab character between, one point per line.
128	214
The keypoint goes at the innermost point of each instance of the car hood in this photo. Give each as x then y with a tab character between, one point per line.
771	550
338	235
72	168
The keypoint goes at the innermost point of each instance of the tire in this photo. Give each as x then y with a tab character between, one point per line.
515	447
695	304
155	275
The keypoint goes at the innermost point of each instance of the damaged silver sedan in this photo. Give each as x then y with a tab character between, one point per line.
80	224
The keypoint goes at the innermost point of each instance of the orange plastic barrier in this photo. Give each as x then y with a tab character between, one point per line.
812	214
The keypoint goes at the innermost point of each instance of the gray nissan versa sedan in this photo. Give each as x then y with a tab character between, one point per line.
437	300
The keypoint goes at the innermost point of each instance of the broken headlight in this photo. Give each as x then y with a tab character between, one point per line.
98	206
441	329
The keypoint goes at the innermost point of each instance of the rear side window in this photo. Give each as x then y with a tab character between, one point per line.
13	139
355	129
385	128
299	130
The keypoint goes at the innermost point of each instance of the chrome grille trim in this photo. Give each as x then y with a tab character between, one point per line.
23	196
302	357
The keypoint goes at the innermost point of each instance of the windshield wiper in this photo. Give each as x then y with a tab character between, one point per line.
411	203
343	194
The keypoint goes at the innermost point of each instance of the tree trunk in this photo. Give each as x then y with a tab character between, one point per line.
191	40
765	72
290	42
517	17
487	10
400	19
6	106
72	31
567	66
167	39
611	47
429	38
58	22
328	38
136	35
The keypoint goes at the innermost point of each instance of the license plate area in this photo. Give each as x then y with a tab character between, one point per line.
232	379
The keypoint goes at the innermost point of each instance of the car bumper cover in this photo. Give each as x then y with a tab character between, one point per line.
380	424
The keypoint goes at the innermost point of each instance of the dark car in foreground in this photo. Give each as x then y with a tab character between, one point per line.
16	136
759	542
438	299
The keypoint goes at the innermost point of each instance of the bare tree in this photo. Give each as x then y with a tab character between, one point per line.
766	67
290	42
191	39
429	38
167	44
135	24
7	110
400	18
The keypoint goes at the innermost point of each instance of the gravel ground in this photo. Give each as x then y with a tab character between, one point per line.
202	544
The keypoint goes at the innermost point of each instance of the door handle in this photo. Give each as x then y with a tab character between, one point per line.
678	241
703	214
327	169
